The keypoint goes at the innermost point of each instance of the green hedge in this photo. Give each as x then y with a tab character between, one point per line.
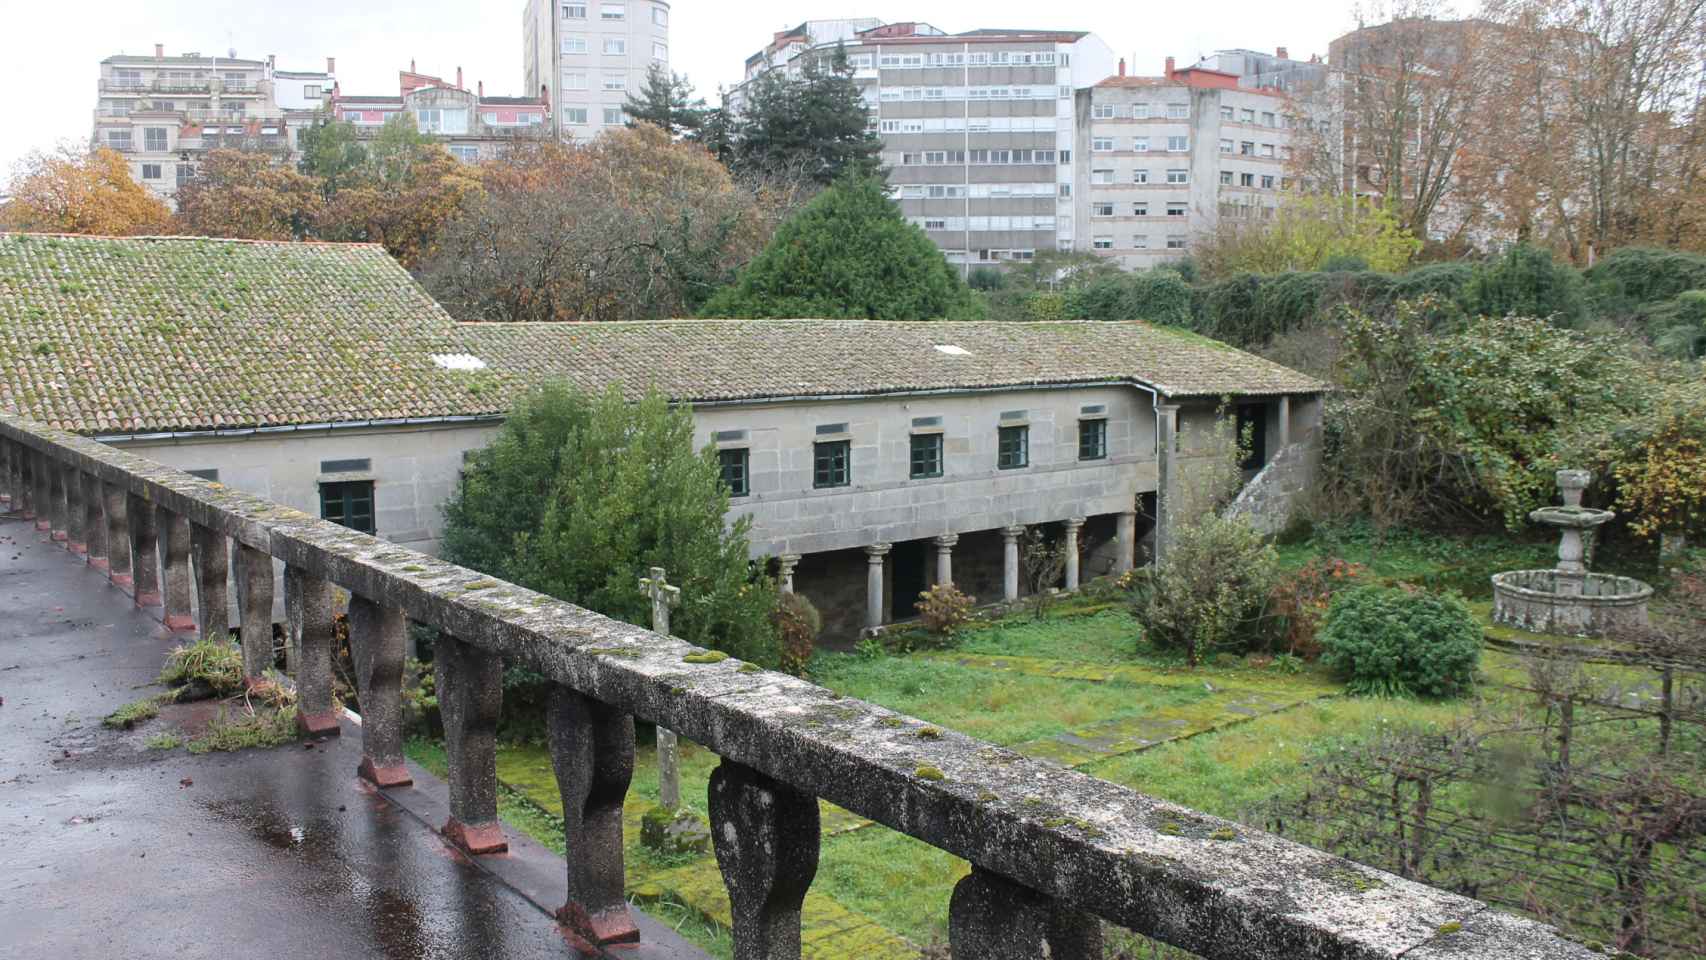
1635	276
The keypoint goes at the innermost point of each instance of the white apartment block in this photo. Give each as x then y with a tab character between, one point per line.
1167	157
583	58
979	129
471	125
164	112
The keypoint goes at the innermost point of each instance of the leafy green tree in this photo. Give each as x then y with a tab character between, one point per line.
814	125
333	153
849	254
665	101
578	496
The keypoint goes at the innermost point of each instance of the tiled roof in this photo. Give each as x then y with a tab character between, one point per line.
707	360
148	335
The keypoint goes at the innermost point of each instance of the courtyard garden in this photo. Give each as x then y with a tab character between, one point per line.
1237	735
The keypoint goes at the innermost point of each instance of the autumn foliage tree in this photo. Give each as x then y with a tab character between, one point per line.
75	191
632	225
402	194
248	195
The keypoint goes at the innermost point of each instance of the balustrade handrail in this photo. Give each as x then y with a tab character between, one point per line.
1046	842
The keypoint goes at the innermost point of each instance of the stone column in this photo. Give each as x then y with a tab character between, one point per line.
24	468
48	490
1284	422
1073	525
62	498
663	596
1166	505
592	751
1010	561
874	584
376	647
314	626
95	523
70	527
144	544
174	533
469	682
993	918
1125	536
120	559
785	565
254	601
945	557
766	834
211	560
8	482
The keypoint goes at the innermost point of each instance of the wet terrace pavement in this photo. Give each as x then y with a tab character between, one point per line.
109	849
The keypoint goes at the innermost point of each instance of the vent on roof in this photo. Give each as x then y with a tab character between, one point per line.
726	436
1014	414
926	421
828	428
953	350
360	465
458	361
208	474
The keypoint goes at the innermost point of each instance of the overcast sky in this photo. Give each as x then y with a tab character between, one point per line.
50	53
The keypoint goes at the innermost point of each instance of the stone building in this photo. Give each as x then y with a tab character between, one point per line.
874	458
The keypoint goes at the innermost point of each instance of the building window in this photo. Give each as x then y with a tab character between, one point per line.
574	43
926	455
575	115
1267	181
1092	439
1140	242
660	53
1013	448
1140	111
1247	116
1140	176
660	16
1102	111
1225	146
574	11
1226	113
615	46
1246	180
1140	144
348	502
1226	178
1178	144
1140	208
1175	243
613	117
613	11
1101	176
1246	148
1102	243
151	171
311	91
1101	210
438	120
1178	111
830	463
467	153
574	81
1178	176
1268	119
1175	209
615	81
1102	144
736	475
154	139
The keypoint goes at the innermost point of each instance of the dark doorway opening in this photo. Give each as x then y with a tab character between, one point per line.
909	559
1253	429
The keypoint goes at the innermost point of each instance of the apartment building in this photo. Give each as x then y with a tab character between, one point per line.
1270	71
163	112
471	125
1166	158
583	57
979	129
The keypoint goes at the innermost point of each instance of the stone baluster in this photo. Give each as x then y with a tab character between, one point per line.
592	750
174	540
95	524
210	554
1073	525
313	627
115	505
49	488
376	635
874	609
993	918
144	546
766	835
785	565
254	602
469	683
68	520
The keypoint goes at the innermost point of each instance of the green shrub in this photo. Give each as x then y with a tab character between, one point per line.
1634	276
987	278
1527	282
1402	642
1207	592
1678	325
797	626
1344	263
944	608
1159	296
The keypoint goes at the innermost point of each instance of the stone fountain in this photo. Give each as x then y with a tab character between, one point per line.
1570	600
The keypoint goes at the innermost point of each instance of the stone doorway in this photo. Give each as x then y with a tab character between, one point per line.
910	576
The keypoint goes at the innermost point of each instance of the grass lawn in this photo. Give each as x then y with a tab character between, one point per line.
1229	737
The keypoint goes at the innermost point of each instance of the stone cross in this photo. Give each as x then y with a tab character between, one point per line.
664	596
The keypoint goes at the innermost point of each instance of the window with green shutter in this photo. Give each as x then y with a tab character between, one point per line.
349	502
1092	439
830	466
926	455
1014	448
736	475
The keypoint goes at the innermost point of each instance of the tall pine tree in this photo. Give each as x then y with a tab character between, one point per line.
815	125
665	101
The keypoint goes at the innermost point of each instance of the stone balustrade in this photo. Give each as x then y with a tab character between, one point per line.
1052	850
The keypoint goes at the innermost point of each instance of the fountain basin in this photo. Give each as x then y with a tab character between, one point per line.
1571	518
1573	604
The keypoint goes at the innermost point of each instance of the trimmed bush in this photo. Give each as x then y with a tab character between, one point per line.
1402	642
1527	282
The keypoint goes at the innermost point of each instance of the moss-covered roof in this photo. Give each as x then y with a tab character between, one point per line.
144	335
